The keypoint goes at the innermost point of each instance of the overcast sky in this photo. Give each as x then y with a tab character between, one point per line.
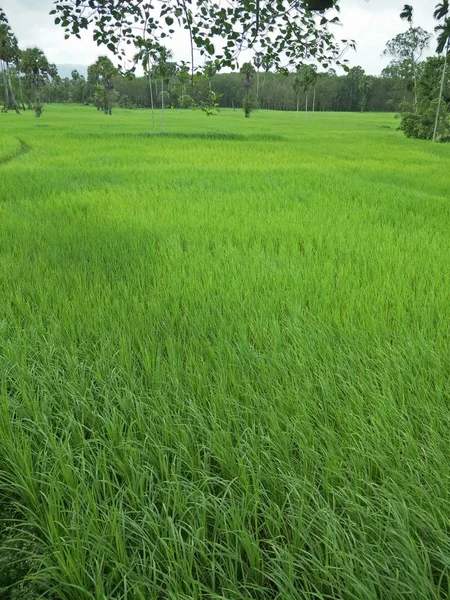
369	22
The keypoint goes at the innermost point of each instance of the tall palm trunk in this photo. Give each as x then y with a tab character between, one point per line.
11	91
298	103
20	90
162	105
415	81
441	92
151	101
6	103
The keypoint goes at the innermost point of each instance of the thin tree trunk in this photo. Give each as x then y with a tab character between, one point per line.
11	91
20	90
109	102
257	85
263	82
188	18
151	101
306	106
5	82
415	81
440	94
314	101
162	105
38	109
6	103
298	103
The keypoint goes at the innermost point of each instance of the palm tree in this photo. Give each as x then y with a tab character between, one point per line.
163	69
443	46
313	77
102	72
305	79
441	10
407	15
258	62
266	64
146	56
297	85
9	53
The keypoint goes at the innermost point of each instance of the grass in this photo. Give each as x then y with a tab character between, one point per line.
224	366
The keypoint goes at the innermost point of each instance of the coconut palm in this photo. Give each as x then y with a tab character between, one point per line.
9	53
163	69
146	57
407	15
441	10
258	60
306	79
298	86
443	39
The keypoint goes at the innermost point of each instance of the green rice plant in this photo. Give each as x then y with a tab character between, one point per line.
224	368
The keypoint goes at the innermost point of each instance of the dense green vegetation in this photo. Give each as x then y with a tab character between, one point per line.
224	367
273	91
418	89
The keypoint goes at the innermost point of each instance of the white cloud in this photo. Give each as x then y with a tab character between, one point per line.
369	22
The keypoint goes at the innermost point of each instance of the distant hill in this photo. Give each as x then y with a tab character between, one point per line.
65	70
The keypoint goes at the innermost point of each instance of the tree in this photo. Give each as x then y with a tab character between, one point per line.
443	46
365	86
407	14
37	71
297	86
285	32
101	73
421	124
9	53
305	79
248	72
78	87
164	68
258	61
441	10
408	48
146	56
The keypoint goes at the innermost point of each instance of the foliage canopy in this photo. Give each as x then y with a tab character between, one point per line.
285	32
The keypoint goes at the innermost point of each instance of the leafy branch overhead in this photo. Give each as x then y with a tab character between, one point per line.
287	32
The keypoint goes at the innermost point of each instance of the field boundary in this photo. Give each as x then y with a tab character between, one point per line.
24	149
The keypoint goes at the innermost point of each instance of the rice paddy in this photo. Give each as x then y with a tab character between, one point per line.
224	358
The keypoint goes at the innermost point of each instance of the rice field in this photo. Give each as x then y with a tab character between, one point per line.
224	358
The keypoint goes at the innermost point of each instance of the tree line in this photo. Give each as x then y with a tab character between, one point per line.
354	91
417	89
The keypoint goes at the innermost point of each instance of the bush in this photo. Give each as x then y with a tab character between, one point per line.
186	101
420	125
249	105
